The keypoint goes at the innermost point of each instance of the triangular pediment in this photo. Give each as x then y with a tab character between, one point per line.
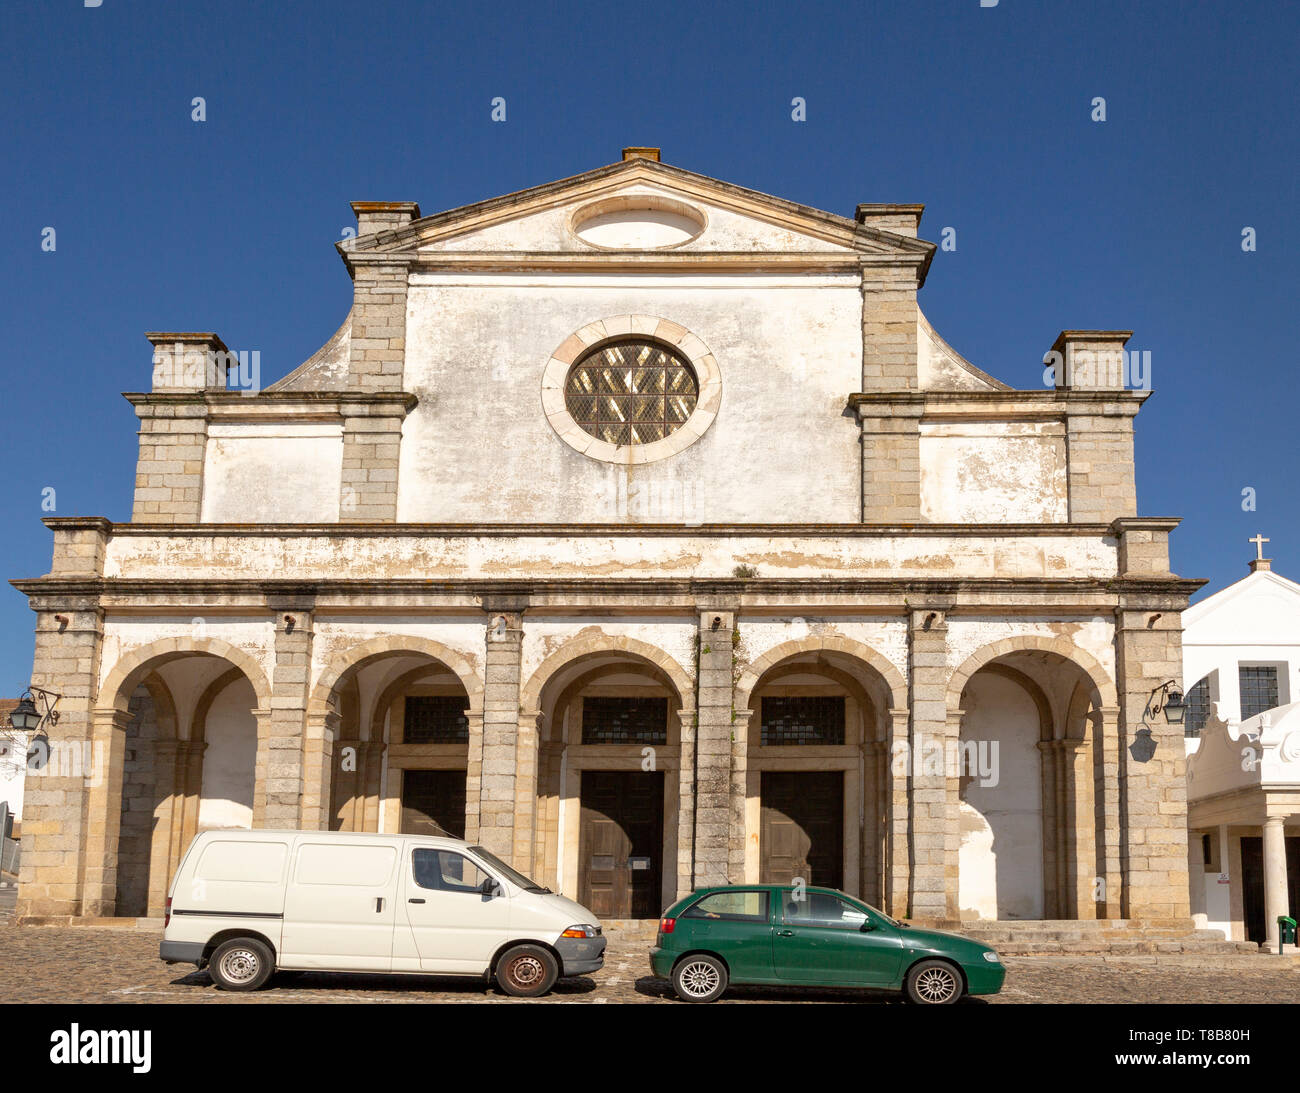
1263	607
596	213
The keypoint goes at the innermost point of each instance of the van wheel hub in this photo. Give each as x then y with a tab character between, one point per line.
526	970
239	965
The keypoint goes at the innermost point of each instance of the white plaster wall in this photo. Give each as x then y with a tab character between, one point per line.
888	637
1001	858
994	472
478	447
611	556
545	635
1095	635
230	759
13	771
280	473
124	634
335	635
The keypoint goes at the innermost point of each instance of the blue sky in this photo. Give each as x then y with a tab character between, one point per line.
983	114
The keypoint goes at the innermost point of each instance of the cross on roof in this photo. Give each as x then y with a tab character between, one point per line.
1259	542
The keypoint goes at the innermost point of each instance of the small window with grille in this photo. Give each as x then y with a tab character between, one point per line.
802	719
1258	688
436	719
609	720
631	392
1198	708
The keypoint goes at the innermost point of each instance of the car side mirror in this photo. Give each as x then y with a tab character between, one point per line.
867	926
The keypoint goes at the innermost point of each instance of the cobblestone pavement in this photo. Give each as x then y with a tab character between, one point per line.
83	964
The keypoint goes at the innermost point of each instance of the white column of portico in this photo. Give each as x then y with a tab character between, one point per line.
1275	887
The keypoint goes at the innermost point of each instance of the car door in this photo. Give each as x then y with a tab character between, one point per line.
338	907
456	926
820	938
736	925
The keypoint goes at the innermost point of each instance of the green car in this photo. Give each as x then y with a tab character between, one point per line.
779	935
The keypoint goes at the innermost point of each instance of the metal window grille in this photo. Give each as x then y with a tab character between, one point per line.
624	720
1258	688
436	719
631	392
1198	708
803	719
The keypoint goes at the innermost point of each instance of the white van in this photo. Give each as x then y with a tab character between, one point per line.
245	903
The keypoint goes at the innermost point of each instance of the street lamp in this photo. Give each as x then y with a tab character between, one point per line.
1167	698
26	718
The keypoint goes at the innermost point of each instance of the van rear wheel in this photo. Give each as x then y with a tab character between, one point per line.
241	964
527	971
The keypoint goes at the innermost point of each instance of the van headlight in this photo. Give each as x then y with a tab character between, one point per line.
582	931
992	957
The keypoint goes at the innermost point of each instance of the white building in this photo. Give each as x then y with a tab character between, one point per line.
1241	660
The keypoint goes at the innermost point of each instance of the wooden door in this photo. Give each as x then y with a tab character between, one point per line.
620	843
802	828
433	799
1252	884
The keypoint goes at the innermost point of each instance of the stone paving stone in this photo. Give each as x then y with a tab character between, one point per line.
82	964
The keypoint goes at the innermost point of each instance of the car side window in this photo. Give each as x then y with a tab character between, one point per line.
737	906
446	871
822	909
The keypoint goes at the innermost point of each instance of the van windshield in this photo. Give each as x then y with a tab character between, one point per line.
512	875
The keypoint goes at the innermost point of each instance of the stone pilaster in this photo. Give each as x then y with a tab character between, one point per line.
1152	778
378	338
891	458
372	440
686	803
499	791
714	806
1075	760
896	782
103	811
282	745
55	830
935	835
889	323
169	471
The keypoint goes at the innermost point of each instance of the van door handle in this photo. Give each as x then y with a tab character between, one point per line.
379	904
785	933
415	901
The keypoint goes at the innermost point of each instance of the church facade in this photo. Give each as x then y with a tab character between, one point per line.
639	528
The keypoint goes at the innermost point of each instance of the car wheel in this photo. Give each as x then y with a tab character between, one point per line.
933	983
241	964
700	978
527	971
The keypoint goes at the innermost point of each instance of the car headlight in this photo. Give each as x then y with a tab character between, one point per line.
584	930
991	957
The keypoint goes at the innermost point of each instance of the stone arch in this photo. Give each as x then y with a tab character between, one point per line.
198	721
891	676
1102	687
1046	723
356	655
132	667
586	644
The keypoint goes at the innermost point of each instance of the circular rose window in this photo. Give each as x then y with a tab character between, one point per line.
631	392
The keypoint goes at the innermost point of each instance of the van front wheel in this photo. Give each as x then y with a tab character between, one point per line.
527	971
241	964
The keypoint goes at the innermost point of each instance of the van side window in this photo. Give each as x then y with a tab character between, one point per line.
446	871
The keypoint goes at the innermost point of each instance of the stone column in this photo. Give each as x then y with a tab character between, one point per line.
1079	829
1109	878
282	751
896	783
473	775
68	650
686	803
1152	776
104	811
936	834
499	789
715	809
1051	794
166	816
1275	882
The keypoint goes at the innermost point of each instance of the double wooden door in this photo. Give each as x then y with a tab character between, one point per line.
433	799
621	842
802	834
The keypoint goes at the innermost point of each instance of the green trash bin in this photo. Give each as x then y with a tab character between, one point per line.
1285	932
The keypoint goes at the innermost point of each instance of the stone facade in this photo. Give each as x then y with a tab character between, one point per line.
405	584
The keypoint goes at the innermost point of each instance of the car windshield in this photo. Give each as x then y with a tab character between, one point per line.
512	875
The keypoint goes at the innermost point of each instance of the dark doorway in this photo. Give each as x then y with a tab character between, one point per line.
1252	884
621	843
433	800
802	828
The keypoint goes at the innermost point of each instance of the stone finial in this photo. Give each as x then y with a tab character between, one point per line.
641	153
377	216
1261	565
187	361
899	219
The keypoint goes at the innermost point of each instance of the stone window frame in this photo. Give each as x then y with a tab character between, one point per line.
592	336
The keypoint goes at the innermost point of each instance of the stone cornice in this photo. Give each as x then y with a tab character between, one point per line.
370	530
679	262
1049	402
279	404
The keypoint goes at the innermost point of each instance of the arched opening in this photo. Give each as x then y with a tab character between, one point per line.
609	779
404	724
188	762
1026	788
818	780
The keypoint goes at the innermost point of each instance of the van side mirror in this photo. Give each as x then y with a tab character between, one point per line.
490	888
